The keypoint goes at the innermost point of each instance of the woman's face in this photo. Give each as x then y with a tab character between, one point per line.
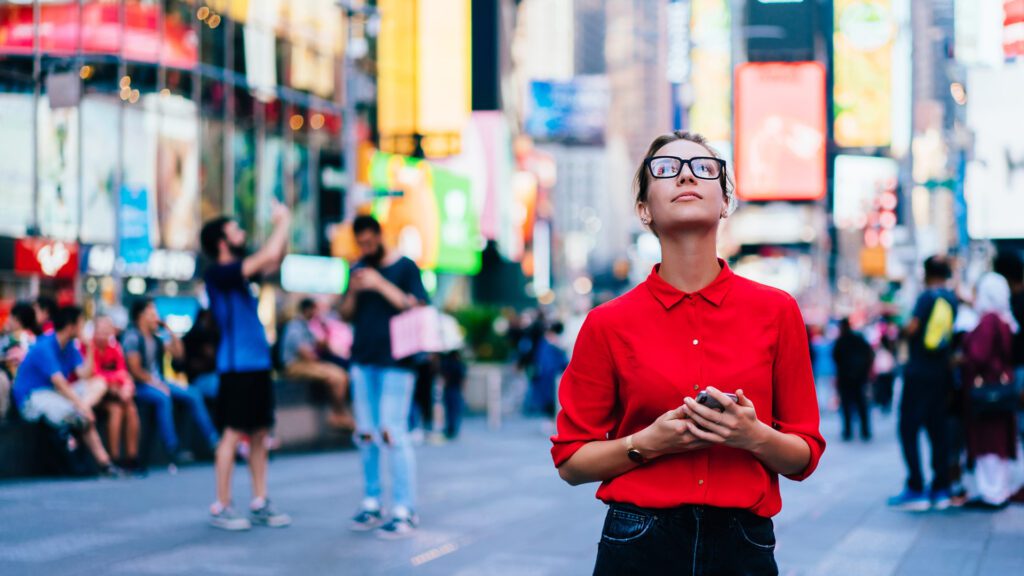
685	201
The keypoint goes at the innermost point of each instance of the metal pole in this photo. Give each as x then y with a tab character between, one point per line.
349	135
37	79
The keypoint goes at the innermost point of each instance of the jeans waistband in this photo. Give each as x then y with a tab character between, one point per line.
686	511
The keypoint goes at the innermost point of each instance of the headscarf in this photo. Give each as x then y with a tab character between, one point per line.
993	296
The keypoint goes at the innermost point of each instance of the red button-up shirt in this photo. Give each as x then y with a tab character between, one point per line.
639	355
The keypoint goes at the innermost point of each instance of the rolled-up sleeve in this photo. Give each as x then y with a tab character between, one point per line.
795	402
587	393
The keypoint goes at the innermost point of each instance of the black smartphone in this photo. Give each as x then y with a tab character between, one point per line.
708	400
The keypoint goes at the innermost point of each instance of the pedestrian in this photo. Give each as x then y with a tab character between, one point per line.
19	333
550	361
691	487
122	413
453	371
853	357
927	388
301	356
56	384
987	362
884	369
46	310
245	394
144	349
383	284
200	361
1010	265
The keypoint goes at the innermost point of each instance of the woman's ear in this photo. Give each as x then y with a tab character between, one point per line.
645	216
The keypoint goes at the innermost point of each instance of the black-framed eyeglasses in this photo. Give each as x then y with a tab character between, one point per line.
703	167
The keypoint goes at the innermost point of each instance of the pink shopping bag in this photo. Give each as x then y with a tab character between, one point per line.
414	331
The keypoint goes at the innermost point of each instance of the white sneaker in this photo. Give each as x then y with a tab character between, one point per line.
228	519
399	527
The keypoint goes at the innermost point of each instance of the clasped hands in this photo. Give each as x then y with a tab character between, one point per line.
693	426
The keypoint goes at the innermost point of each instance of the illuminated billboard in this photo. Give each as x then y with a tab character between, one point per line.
574	110
427	213
859	180
780	131
711	70
423	83
994	185
862	95
97	29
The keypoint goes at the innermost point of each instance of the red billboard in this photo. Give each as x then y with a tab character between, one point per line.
99	31
50	258
780	131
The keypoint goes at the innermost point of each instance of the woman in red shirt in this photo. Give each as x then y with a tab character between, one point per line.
689	487
120	400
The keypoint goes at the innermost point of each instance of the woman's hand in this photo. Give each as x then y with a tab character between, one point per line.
736	426
669	434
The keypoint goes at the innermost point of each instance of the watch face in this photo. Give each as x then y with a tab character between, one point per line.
636	456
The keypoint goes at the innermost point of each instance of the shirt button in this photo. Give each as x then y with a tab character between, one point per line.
695	341
700	482
696	386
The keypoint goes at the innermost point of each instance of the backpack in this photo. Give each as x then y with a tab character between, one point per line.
938	331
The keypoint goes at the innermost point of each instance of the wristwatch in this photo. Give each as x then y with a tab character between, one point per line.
633	453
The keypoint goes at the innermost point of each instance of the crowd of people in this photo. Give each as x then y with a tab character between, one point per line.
95	385
962	379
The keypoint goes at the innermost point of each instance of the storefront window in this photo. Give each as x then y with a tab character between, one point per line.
138	190
304	208
211	168
244	148
17	155
99	167
178	173
57	156
211	138
271	181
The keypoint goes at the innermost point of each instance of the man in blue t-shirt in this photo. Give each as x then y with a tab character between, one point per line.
927	384
384	283
43	387
245	395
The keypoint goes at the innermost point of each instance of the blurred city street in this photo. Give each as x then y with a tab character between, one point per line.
315	226
492	504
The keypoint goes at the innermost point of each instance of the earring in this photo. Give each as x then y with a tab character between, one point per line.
645	221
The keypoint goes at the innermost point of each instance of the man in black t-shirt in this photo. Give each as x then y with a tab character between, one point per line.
383	285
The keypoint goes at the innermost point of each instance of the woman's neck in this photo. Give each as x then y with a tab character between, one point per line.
689	261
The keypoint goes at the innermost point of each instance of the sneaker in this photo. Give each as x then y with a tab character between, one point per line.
366	520
228	519
269	516
399	527
911	501
111	471
941	499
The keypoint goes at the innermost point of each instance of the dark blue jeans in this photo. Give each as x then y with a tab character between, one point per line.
689	540
925	404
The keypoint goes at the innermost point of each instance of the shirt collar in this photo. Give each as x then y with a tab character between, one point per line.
669	296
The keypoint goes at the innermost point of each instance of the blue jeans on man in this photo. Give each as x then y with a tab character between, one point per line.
382	398
191	399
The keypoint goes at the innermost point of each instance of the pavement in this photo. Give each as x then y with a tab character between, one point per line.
491	504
